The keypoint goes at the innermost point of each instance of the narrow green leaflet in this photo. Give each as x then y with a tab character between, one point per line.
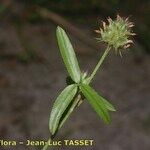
96	102
60	105
108	105
68	55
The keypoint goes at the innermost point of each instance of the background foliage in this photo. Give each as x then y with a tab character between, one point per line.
137	9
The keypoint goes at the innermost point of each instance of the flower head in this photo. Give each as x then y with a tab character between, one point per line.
117	33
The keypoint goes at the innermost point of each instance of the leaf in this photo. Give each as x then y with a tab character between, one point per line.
60	105
96	102
108	105
68	55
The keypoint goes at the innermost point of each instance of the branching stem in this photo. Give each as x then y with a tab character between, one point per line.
91	77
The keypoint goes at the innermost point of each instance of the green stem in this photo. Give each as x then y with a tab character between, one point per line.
47	145
99	63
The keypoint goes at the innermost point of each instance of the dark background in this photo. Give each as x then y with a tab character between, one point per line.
32	73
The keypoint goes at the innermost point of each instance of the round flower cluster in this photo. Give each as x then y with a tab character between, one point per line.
117	33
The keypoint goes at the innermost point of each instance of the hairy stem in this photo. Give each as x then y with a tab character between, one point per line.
99	63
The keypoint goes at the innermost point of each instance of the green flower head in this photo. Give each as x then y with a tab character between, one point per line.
117	33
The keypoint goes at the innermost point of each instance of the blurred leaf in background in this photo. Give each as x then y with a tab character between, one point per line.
139	11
